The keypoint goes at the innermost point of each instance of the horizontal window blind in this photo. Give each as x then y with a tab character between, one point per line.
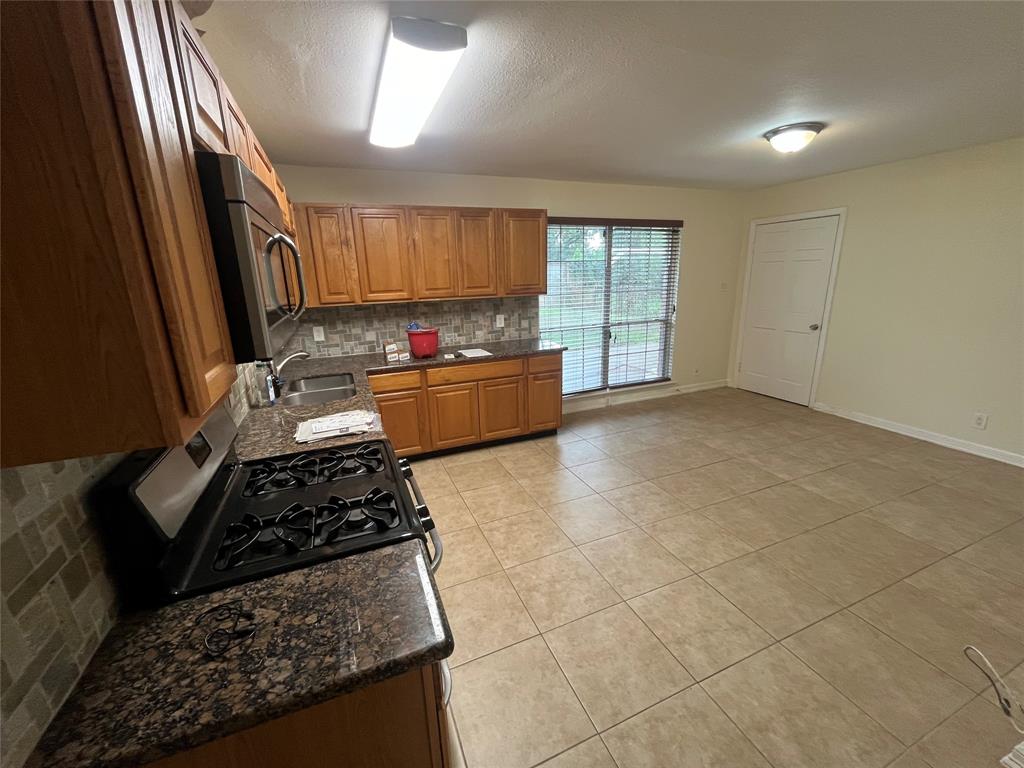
611	300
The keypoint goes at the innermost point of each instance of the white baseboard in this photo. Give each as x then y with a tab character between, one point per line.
593	400
957	443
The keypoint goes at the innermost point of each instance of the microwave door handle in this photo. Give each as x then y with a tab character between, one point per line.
287	243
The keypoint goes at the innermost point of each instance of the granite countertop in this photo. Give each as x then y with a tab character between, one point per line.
269	431
152	690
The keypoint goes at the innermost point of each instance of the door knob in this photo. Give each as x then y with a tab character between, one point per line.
815	326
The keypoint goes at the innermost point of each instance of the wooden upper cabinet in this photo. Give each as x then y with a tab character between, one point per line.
205	100
282	202
435	264
329	244
237	129
382	254
524	249
261	165
477	251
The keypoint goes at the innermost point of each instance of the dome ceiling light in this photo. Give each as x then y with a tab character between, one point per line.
793	137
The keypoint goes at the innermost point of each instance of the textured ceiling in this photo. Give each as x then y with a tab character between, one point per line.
663	93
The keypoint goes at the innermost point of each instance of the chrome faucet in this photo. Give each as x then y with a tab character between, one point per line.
276	369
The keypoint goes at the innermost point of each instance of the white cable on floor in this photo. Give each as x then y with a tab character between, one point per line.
1009	702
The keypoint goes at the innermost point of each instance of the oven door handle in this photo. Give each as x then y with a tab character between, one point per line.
446	682
424	513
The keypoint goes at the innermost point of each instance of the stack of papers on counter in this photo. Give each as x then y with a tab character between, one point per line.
336	425
475	352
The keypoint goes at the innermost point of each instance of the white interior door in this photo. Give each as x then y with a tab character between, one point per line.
786	291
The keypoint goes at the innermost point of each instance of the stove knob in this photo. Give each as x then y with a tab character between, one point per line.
425	518
403	464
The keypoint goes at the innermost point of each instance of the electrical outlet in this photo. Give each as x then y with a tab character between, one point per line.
724	287
980	420
499	321
318	333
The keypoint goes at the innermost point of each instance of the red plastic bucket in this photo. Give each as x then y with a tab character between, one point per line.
423	343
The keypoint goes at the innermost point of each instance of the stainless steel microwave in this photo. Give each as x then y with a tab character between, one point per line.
259	265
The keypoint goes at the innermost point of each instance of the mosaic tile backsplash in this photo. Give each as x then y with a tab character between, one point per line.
58	601
360	329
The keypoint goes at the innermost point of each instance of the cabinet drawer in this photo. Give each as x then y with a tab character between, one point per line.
394	382
476	372
544	363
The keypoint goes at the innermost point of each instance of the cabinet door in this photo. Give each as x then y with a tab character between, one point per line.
477	252
404	418
331	248
237	129
524	249
502	408
434	252
282	202
545	401
454	415
382	254
261	165
203	88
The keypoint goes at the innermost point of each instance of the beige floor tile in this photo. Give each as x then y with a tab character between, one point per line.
467	555
759	438
907	760
590	754
784	463
841	568
889	551
458	760
524	537
835	449
434	482
770	595
633	562
999	554
615	665
854	657
478	474
697	541
987	598
862	484
515	708
588	518
935	462
529	465
550	488
773	514
716	482
685	731
797	719
464	457
669	459
615	445
485	615
938	632
497	501
975	737
702	629
606	474
644	503
996	482
514	450
450	513
561	588
943	517
574	453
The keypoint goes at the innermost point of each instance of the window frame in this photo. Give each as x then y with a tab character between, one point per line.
607	326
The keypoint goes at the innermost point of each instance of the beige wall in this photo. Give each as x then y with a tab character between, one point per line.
711	235
926	325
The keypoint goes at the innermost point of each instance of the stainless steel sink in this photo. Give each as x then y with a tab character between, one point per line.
315	396
317	383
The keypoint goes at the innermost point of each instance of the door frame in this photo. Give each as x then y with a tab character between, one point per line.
829	291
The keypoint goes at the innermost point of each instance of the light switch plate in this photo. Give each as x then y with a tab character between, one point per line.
499	321
318	333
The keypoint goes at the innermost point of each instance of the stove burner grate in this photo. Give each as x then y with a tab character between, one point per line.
306	469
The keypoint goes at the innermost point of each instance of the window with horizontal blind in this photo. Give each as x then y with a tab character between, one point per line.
611	300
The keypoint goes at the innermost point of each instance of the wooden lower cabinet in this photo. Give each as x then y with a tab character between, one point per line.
454	415
457	405
405	420
357	729
502	408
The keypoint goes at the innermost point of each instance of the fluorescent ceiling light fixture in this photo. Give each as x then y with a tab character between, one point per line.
794	137
419	58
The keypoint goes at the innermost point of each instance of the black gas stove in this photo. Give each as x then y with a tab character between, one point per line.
193	519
